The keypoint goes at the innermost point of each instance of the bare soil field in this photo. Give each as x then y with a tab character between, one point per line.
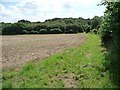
19	49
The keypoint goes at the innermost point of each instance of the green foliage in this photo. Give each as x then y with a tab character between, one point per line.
111	38
7	84
34	32
43	31
15	28
1	28
23	21
95	22
87	28
111	22
56	25
25	32
55	30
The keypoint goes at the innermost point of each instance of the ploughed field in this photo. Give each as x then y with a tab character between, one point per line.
19	49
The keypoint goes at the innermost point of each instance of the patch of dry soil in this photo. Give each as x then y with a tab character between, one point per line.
69	80
19	49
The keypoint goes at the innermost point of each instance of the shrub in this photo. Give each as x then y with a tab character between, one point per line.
25	32
87	28
55	30
43	31
34	32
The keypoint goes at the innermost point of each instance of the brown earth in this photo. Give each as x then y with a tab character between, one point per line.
19	49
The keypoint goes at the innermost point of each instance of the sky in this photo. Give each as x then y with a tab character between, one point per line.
40	10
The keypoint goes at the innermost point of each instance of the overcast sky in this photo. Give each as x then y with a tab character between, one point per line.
40	10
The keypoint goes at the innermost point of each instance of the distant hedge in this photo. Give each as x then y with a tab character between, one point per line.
51	26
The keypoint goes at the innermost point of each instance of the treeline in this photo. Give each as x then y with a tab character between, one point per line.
52	26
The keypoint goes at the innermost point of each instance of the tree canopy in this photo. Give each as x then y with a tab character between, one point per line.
52	26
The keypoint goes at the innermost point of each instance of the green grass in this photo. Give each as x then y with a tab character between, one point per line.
80	67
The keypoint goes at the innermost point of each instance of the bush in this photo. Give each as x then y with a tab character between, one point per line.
87	28
55	31
43	31
94	31
38	27
106	36
13	29
34	32
25	32
70	31
0	32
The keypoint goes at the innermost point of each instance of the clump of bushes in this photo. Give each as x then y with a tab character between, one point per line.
51	26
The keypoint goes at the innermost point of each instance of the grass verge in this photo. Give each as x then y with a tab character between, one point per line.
80	67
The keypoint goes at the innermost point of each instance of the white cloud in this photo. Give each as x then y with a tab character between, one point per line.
9	0
39	10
